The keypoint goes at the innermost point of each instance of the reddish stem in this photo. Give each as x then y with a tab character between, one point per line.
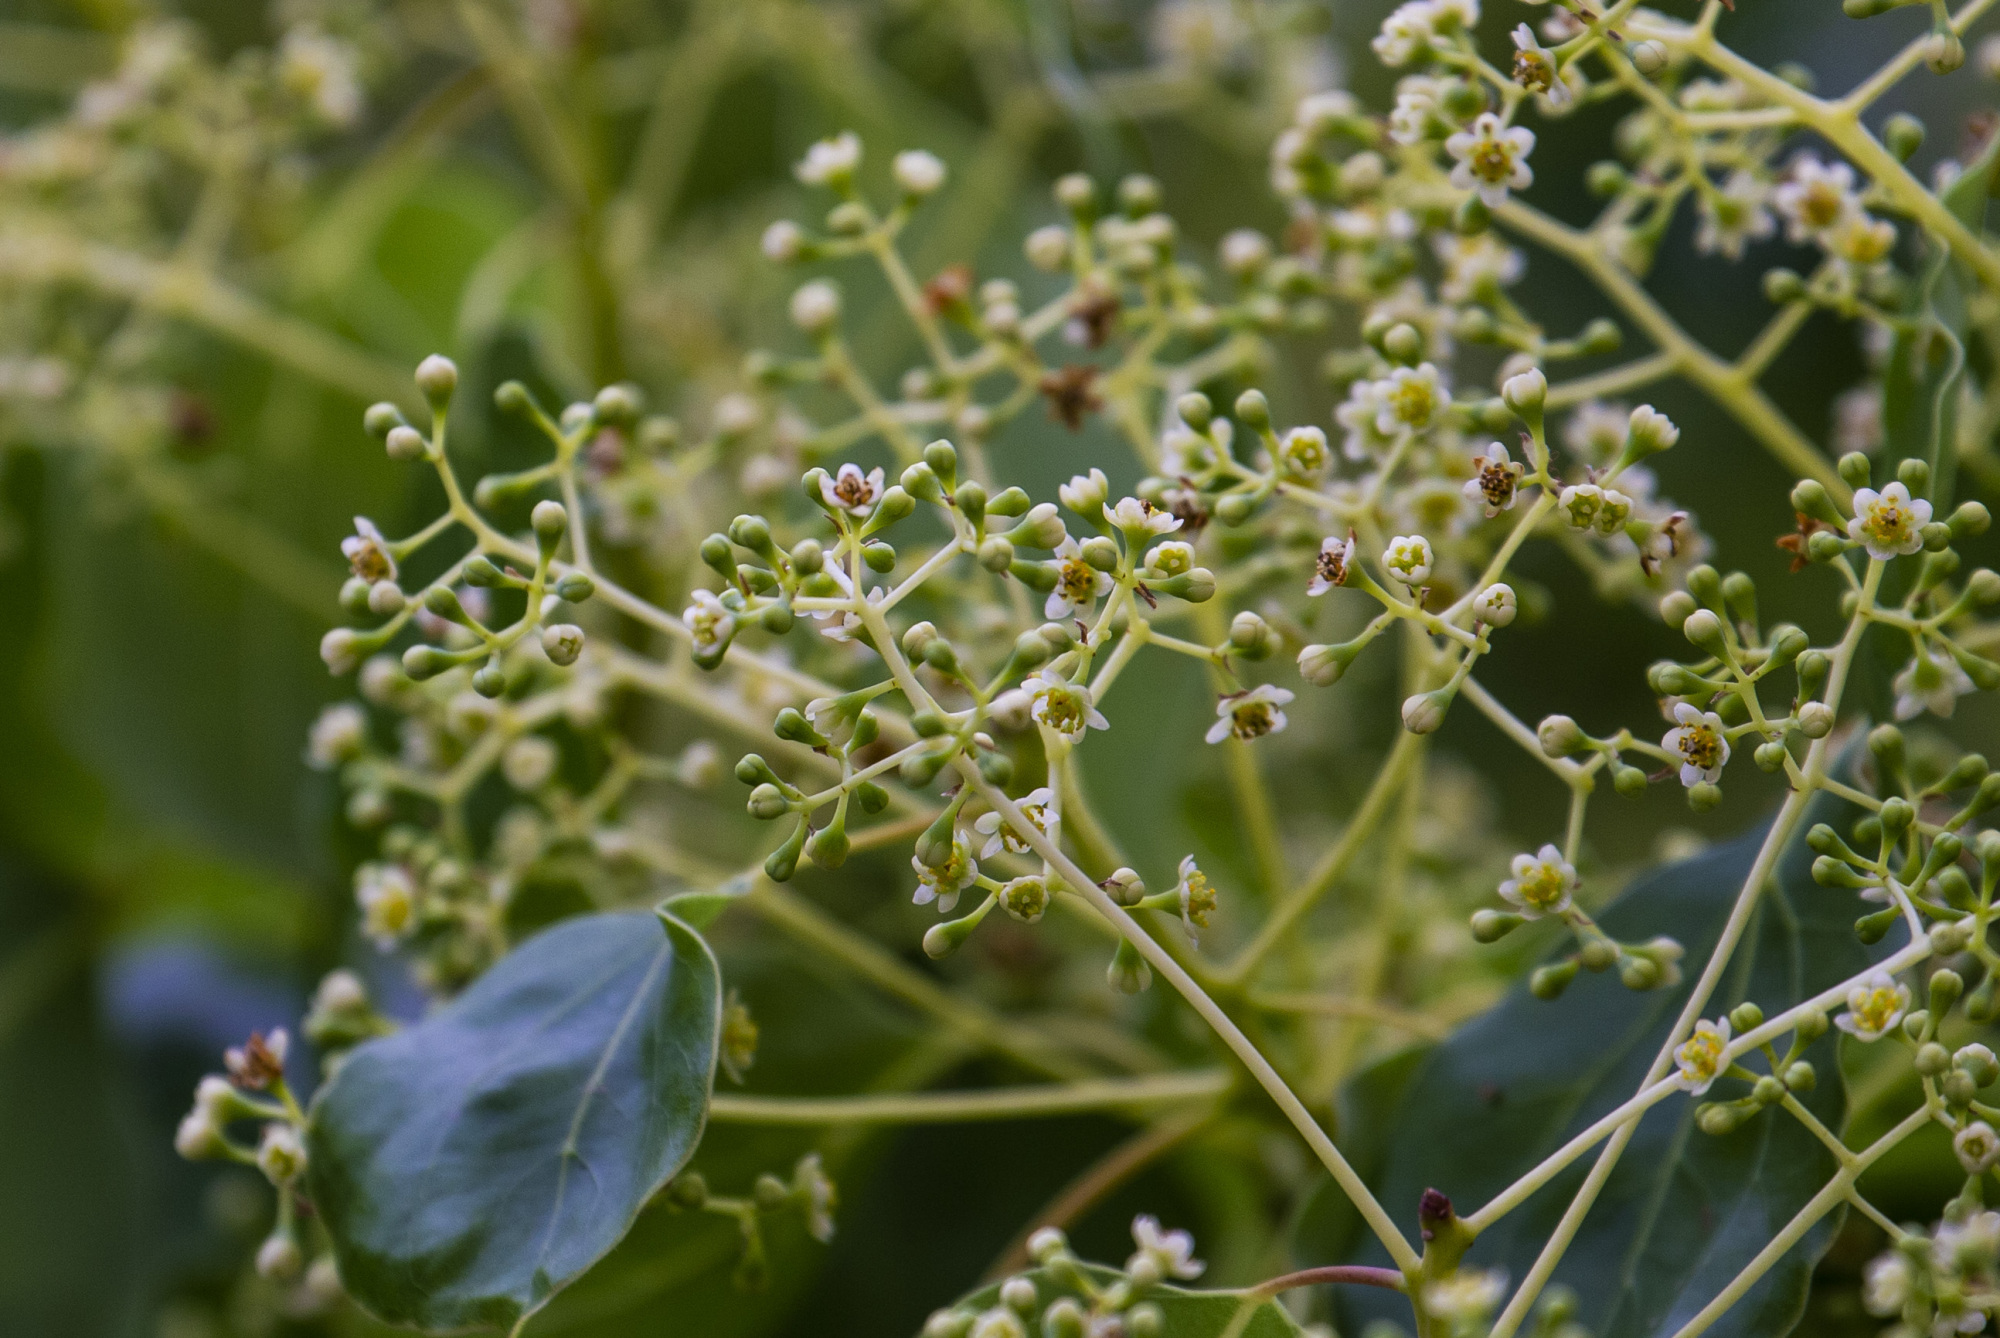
1357	1274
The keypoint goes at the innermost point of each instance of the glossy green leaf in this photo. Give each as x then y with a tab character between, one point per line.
1186	1313
701	909
472	1165
1683	1211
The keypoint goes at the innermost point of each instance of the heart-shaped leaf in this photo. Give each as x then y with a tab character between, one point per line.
470	1166
1683	1211
1185	1313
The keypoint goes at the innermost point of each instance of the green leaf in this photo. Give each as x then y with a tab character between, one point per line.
1684	1211
1187	1314
699	910
470	1166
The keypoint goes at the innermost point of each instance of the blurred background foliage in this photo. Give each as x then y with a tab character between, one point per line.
571	191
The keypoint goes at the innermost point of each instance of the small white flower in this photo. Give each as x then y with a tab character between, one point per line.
1496	478
1197	898
1244	252
1303	454
1699	742
919	172
1416	109
1078	584
1496	605
815	1190
1977	1147
1886	1283
1409	397
1037	807
1700	1057
816	307
1931	682
1250	715
1084	492
1064	707
1467	1297
1860	239
1889	522
281	1156
1135	516
1543	883
709	622
1492	158
830	160
1595	431
1405	32
1874	1007
1408	559
340	733
388	900
323	72
1170	559
1814	197
1476	267
1734	216
367	552
1535	69
1025	898
1169	1253
782	242
1334	565
852	491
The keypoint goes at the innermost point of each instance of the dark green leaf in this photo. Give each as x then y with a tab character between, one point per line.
1683	1211
472	1165
1188	1314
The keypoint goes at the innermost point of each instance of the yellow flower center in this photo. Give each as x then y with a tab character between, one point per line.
1252	720
1701	747
1198	902
1820	206
1491	161
1701	1056
1876	1010
1542	888
1077	581
1412	402
1888	523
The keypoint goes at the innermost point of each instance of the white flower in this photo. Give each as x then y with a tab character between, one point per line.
830	160
1334	565
1025	898
1062	706
1700	1057
1197	898
1814	197
945	885
1734	216
709	622
1931	682
1977	1147
1543	883
1135	516
367	552
1496	605
1476	267
281	1156
815	307
1535	69
1857	420
1405	32
1874	1007
852	491
1409	397
1468	1296
1084	491
1250	715
388	900
919	172
1244	252
1359	413
1596	431
1699	743
1861	239
812	1185
1169	1253
1078	584
1496	477
1303	454
340	733
1889	522
322	71
1037	807
1416	108
1886	1283
782	242
1408	558
1172	558
1492	158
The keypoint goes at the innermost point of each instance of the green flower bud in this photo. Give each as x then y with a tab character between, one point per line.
1548	982
404	443
437	377
1490	926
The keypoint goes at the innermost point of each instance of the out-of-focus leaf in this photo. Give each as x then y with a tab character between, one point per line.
1683	1211
470	1166
699	910
1186	1313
